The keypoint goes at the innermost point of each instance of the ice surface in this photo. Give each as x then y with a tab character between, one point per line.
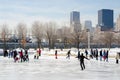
49	68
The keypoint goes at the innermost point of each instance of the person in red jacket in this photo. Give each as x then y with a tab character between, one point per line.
39	52
21	55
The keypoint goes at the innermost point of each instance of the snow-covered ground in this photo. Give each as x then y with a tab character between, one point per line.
49	68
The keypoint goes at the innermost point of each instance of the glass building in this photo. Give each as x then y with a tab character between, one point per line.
74	17
105	19
88	25
75	20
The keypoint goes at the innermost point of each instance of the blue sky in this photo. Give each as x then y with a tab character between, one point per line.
13	12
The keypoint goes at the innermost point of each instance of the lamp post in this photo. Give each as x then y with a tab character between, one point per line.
88	31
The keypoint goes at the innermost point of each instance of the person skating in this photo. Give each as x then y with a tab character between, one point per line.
55	54
86	52
26	56
39	52
78	56
104	55
117	58
91	54
96	54
5	53
21	55
107	52
36	55
15	56
101	55
68	54
82	57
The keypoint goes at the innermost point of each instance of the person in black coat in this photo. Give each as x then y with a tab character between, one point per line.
78	56
68	54
15	56
55	54
86	52
101	55
96	54
82	57
107	52
26	56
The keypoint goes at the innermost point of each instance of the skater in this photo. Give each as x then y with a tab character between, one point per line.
117	58
39	51
15	56
92	52
21	55
26	56
86	52
78	56
96	54
107	55
68	54
9	54
104	55
101	55
12	52
82	61
36	56
56	54
5	53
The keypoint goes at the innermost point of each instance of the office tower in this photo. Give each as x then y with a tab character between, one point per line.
105	19
117	27
88	25
75	20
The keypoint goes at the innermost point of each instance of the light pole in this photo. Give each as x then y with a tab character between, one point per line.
88	31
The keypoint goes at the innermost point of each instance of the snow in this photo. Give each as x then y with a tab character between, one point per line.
49	68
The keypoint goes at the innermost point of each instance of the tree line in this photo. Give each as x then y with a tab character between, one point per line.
49	32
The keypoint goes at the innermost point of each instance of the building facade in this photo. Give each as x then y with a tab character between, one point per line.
88	25
117	27
105	19
75	20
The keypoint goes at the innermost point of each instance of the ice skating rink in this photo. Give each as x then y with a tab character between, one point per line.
49	68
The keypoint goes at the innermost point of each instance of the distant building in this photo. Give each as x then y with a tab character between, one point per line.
75	20
88	25
105	19
117	27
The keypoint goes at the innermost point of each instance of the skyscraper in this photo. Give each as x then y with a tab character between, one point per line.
74	17
105	19
88	25
75	20
117	28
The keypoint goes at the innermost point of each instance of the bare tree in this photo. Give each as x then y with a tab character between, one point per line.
4	36
117	38
77	37
22	33
64	34
108	38
51	34
38	31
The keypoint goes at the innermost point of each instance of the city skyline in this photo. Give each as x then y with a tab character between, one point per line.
13	12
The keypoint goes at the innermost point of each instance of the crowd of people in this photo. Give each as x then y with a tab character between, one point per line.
102	55
21	56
